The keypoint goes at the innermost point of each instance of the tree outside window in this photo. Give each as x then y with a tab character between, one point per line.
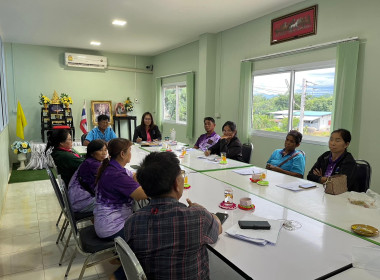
175	103
304	97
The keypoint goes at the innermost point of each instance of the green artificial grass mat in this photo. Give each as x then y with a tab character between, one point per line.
18	176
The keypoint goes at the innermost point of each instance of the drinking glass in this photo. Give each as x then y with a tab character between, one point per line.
223	156
228	195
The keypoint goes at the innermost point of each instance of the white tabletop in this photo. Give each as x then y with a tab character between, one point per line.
193	161
334	210
357	273
312	251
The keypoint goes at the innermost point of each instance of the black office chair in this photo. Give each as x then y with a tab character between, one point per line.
363	175
83	137
246	152
87	241
131	265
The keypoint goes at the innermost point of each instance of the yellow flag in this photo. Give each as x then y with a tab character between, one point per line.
21	121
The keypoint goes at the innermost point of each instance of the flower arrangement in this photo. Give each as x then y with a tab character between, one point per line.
66	99
128	105
44	100
19	147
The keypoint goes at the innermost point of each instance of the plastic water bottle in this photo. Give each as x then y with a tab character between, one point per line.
172	134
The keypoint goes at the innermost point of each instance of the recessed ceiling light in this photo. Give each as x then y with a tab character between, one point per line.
95	43
119	22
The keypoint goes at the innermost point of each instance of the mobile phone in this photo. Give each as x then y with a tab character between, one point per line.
254	225
222	217
134	166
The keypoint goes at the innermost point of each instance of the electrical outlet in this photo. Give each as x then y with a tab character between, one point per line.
136	101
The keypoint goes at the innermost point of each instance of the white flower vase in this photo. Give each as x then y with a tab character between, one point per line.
21	158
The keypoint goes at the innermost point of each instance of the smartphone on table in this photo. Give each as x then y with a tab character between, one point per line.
222	217
254	225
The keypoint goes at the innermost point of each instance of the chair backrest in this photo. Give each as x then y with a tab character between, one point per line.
55	187
362	175
68	209
131	265
83	137
247	151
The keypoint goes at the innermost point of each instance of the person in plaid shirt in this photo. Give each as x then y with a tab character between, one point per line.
168	237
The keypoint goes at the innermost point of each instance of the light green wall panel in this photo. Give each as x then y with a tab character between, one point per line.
33	70
172	62
4	164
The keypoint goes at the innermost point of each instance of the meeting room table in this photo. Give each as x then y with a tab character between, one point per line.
311	251
334	210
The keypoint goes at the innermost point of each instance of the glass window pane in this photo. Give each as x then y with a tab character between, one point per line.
313	98
271	102
182	106
170	103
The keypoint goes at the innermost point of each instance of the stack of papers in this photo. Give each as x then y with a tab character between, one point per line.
297	186
261	237
248	171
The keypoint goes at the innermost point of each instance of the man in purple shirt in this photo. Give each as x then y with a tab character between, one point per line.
210	138
169	238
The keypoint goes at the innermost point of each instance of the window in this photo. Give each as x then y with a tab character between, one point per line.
297	97
175	103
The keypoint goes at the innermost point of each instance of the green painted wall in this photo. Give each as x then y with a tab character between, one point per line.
337	19
32	70
4	164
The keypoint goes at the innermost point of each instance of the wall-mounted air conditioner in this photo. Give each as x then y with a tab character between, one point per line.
85	60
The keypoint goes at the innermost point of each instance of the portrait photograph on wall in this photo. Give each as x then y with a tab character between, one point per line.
120	110
101	108
294	25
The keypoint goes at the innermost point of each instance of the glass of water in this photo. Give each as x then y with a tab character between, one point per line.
228	195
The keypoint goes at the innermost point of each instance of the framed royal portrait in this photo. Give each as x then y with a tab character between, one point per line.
101	108
294	26
120	110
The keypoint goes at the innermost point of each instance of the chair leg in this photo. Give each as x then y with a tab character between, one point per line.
64	230
84	267
61	231
64	250
71	261
59	218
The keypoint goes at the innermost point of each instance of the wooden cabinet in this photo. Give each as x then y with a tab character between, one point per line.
56	117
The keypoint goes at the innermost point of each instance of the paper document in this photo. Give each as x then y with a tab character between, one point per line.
248	171
293	186
256	236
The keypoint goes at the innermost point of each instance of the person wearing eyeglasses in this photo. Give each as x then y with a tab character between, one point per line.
228	143
147	130
102	131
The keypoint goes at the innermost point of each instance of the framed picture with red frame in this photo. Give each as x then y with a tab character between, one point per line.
294	26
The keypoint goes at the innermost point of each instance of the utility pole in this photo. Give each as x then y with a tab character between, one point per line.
302	109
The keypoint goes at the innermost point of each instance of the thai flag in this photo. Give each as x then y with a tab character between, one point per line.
83	121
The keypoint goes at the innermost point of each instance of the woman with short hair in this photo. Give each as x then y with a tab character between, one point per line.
335	161
288	160
147	130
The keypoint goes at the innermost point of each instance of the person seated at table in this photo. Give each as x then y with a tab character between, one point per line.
66	161
228	143
168	237
288	160
147	130
82	184
116	189
335	161
102	131
210	138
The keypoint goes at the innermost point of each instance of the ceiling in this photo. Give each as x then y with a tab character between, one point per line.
153	26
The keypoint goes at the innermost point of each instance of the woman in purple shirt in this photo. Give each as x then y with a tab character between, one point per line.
82	184
335	161
116	189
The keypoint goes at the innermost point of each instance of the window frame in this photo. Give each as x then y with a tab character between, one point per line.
177	85
318	140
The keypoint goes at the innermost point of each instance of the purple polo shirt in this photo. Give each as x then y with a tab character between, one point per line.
79	197
113	202
204	141
331	165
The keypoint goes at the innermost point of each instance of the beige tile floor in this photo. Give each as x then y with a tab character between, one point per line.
28	234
